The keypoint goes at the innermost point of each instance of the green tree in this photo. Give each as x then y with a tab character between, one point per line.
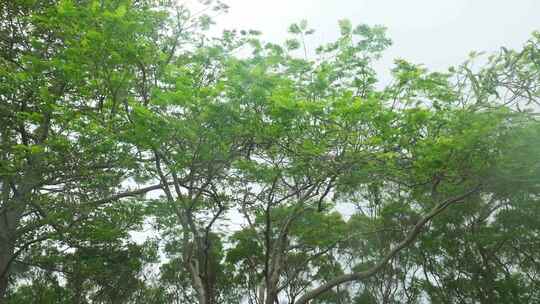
253	156
69	72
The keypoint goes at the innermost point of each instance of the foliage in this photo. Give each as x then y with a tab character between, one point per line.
278	176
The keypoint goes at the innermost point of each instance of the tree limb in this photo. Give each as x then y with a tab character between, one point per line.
411	237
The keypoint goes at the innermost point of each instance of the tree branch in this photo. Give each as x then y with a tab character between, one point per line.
411	237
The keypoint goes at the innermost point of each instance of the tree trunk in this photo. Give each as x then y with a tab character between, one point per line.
3	279
273	280
8	222
198	285
6	254
271	296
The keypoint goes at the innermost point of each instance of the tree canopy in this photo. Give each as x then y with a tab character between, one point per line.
257	172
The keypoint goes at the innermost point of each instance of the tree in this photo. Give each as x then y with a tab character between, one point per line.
254	157
68	71
192	138
414	146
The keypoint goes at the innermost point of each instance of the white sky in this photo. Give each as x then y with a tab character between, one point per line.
436	33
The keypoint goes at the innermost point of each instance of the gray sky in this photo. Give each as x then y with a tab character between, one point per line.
433	32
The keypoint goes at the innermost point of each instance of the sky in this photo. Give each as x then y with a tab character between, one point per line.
435	33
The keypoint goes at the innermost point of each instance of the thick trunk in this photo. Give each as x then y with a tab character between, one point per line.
204	284
210	293
3	279
276	266
193	267
8	222
10	217
273	281
3	289
6	255
271	296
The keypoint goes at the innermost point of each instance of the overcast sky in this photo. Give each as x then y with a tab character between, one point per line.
436	33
